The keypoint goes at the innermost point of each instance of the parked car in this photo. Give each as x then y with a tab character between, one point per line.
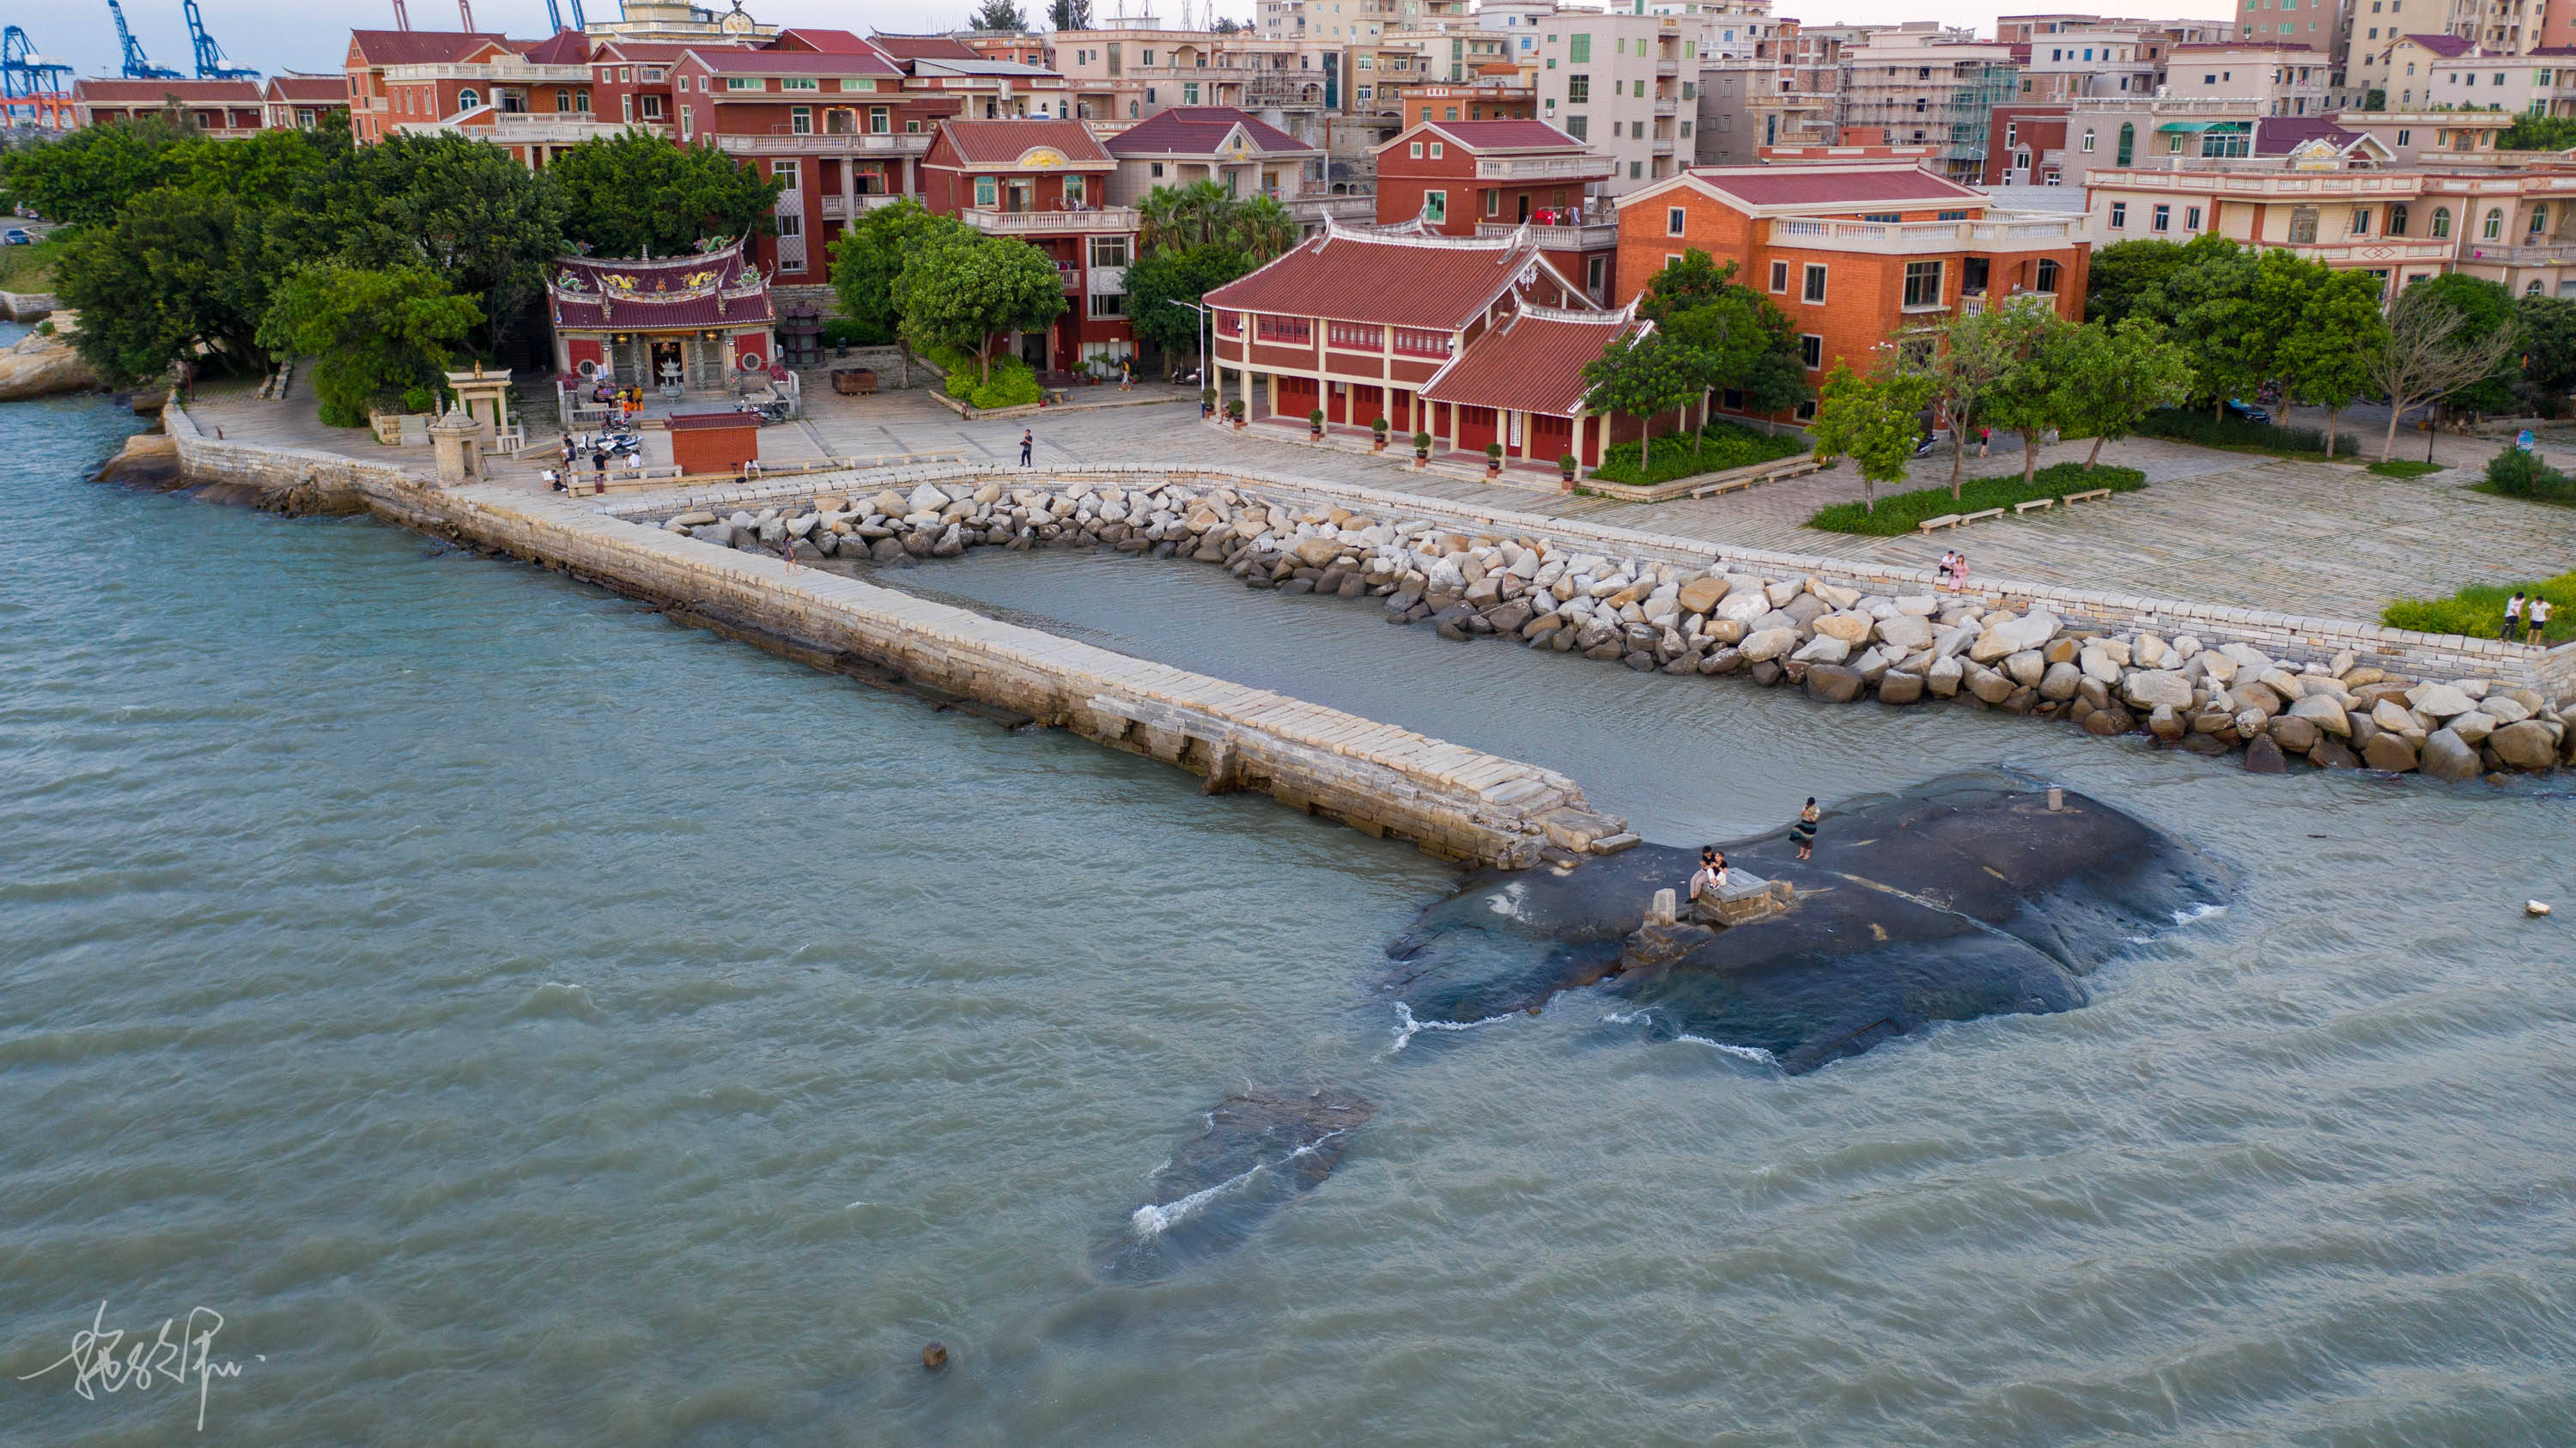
17	236
2247	411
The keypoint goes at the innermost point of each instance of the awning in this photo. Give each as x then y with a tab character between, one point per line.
2196	127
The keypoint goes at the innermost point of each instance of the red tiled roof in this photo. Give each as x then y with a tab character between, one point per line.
1003	143
564	47
1505	135
152	92
924	47
333	88
2206	47
2442	45
653	50
791	62
1533	362
1439	284
2279	135
708	289
827	42
1830	186
1198	131
418	47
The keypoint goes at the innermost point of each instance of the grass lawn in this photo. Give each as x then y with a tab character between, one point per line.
30	268
2402	468
2478	611
1898	513
1729	445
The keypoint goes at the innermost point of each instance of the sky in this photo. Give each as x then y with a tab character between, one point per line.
281	35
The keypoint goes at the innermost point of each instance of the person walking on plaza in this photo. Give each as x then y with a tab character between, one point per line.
2512	615
1803	833
2539	613
569	452
1028	447
1126	378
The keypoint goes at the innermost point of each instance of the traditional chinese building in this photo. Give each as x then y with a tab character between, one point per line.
689	322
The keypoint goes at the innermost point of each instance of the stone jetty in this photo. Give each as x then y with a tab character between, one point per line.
1839	643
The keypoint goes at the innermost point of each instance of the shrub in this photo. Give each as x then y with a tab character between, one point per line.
2478	611
1567	463
1494	452
1727	445
1206	395
2403	468
2236	434
2518	474
1314	417
1899	513
842	332
1422	442
1378	427
1234	408
1013	384
419	399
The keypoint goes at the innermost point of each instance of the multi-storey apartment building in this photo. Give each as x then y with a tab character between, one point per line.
2093	61
2285	78
1627	86
1495	178
1188	144
2445	72
1782	95
1046	183
1922	84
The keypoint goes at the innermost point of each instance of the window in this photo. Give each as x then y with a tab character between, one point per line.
2405	138
1922	284
1297	331
2493	230
1438	148
878	120
1579	49
2441	221
2046	281
1673	218
1815	282
1882	216
988	191
800	119
2119	215
563	100
652	73
742	82
581	101
1579	127
1493	203
1780	277
1108	304
1578	90
1413	151
1435	206
2539	217
466	99
1636	170
2361	221
2161	219
1811	352
2128	143
2303	224
2088	140
1421	344
2191	218
1073	191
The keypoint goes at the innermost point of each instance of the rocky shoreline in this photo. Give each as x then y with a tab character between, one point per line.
1840	645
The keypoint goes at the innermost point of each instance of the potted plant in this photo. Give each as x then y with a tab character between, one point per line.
1421	449
1234	410
1565	467
1493	459
1207	403
1377	436
1315	422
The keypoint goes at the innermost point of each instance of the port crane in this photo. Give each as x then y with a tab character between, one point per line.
210	56
554	13
25	75
137	65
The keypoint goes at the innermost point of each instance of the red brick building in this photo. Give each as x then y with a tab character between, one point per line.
1045	183
372	113
303	101
220	108
1474	340
1855	255
2026	145
1490	178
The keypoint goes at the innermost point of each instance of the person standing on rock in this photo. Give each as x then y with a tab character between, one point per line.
2540	610
1028	446
1803	833
2512	616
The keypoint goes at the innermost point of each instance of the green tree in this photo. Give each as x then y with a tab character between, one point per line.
1726	329
486	224
2431	350
1260	228
870	255
2123	274
638	193
962	291
85	178
2538	133
2324	361
1976	354
2104	379
266	170
1069	14
999	15
173	275
2485	309
1872	420
2548	342
370	333
2024	400
1182	217
1641	376
1778	381
2208	303
1163	277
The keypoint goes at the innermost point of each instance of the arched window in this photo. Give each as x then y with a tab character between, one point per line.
2493	229
2539	217
467	100
563	100
2532	290
2441	221
581	100
2128	142
2397	220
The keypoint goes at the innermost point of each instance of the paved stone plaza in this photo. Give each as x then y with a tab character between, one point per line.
2216	527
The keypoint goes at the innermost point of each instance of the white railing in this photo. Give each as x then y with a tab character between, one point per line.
993	221
504	70
1591	236
899	143
1316	210
1570	167
1922	237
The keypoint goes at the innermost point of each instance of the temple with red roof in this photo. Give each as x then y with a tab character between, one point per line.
689	322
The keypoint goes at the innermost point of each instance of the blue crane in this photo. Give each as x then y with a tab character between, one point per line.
555	14
137	66
210	56
25	75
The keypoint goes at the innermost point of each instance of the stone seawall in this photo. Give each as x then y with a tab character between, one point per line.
1453	802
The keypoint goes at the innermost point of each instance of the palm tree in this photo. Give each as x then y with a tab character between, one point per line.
1185	217
1261	228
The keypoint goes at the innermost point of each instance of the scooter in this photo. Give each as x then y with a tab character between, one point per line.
765	411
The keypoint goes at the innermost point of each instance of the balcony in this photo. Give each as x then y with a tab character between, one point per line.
1665	67
1542	168
1314	211
898	143
1069	273
1666	105
1660	146
995	222
1590	236
1930	238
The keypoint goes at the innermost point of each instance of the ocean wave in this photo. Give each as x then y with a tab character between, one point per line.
1645	1014
1406	1027
1151	1220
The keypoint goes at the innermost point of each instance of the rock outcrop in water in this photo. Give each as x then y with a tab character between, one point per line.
1962	898
1256	1154
41	364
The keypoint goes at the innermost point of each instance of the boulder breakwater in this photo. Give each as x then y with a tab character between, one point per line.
1841	642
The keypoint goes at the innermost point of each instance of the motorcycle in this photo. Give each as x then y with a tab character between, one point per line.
766	411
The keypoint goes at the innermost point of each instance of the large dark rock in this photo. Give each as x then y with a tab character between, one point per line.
1255	1154
1962	898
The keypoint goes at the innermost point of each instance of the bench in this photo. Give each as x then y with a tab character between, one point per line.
1980	517
2033	505
2088	496
1946	520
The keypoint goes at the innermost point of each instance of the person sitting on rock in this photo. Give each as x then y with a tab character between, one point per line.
1712	872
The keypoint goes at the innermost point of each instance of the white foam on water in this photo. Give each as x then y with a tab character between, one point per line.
1628	1018
1152	1221
1406	1027
2198	912
1750	1053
